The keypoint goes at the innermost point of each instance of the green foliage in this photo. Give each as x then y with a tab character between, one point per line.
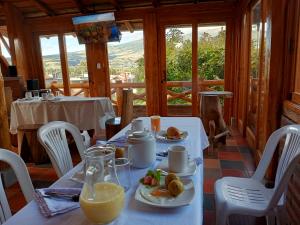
211	58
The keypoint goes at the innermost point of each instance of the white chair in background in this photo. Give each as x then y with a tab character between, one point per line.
21	172
249	196
53	137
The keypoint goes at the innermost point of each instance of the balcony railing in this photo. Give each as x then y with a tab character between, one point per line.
140	97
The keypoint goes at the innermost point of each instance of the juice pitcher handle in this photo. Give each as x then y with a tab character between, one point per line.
94	170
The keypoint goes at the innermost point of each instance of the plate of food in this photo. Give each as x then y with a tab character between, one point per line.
165	191
172	134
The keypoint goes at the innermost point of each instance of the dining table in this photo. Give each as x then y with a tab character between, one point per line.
135	212
84	112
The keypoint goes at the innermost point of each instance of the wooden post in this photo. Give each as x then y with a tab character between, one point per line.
64	64
119	94
127	107
97	63
4	128
86	90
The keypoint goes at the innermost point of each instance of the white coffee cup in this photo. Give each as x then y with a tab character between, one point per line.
177	158
137	125
28	94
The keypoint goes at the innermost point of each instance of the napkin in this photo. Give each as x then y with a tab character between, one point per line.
50	206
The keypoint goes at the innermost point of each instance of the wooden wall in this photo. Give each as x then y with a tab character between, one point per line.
20	41
271	77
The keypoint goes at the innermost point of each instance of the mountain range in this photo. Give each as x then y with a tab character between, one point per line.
120	56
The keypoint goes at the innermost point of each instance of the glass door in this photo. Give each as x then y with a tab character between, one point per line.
193	60
254	75
178	73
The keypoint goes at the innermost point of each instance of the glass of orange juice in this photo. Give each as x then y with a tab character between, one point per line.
155	123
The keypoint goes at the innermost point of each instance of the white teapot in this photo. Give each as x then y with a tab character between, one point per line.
141	149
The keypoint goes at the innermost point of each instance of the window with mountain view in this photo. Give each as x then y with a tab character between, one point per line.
77	64
51	60
126	65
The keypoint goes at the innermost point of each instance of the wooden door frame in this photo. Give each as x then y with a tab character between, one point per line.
162	65
228	68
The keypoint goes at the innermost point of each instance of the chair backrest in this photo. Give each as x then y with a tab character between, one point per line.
21	172
288	160
53	137
127	107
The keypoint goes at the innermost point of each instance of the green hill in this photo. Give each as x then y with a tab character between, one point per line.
120	56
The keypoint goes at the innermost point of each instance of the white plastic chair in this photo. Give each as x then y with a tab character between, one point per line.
249	196
20	169
53	137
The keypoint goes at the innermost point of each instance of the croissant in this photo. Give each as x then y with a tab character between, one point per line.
173	133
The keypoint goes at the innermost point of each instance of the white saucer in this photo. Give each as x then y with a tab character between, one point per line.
143	195
190	170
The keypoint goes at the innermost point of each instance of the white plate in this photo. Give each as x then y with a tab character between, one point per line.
190	170
162	136
143	195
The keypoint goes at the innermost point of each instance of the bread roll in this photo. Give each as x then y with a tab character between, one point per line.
173	133
169	178
175	187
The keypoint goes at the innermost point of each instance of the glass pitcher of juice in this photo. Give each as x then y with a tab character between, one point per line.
102	197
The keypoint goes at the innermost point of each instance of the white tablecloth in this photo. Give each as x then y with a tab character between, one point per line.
136	213
85	113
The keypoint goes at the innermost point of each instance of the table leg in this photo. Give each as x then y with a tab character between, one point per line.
20	137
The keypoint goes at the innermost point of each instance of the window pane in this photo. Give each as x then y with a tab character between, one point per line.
51	60
211	52
256	33
126	65
4	51
77	65
254	82
179	68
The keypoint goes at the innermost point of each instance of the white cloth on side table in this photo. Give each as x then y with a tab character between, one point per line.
85	113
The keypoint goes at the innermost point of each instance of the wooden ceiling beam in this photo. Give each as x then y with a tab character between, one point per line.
4	43
44	7
155	3
81	7
129	26
115	4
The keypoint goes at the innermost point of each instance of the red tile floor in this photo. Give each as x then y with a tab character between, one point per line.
232	159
